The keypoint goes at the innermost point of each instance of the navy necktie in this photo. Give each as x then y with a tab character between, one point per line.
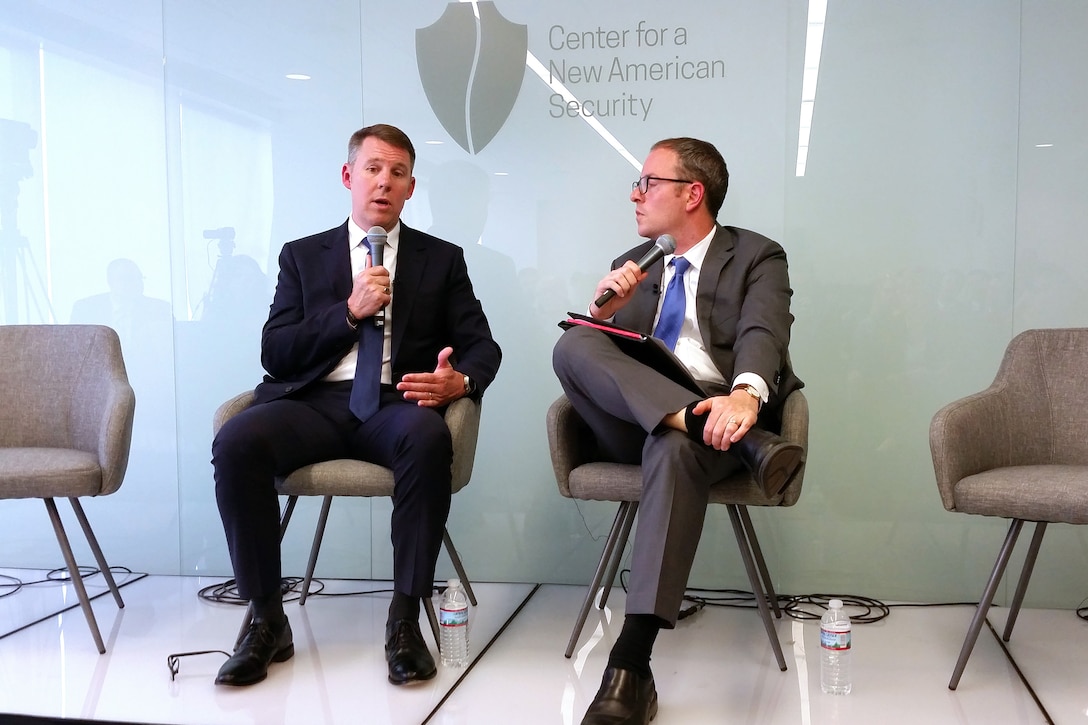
673	308
366	389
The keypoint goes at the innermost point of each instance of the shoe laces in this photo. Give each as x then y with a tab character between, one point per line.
259	632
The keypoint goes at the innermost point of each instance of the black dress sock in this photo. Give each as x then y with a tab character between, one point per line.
269	608
635	643
694	423
403	606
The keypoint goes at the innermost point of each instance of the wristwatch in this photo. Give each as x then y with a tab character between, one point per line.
751	390
470	387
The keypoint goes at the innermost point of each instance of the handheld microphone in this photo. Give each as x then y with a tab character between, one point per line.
377	238
665	244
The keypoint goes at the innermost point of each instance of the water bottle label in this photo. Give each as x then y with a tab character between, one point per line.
453	617
838	641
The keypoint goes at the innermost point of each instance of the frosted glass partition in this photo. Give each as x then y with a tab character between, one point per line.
85	238
938	214
255	156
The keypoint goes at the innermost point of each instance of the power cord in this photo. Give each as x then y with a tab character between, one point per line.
799	606
226	592
10	585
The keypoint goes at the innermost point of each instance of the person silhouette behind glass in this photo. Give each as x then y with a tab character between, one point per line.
125	307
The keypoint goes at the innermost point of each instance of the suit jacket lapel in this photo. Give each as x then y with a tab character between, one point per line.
717	256
337	260
411	263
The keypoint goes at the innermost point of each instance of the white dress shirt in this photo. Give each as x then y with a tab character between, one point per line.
360	260
689	345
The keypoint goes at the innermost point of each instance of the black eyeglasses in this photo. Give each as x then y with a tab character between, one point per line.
643	184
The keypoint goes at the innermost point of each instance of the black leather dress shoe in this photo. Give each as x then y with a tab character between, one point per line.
772	459
625	698
408	657
262	644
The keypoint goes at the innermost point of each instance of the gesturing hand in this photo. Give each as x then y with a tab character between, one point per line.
434	390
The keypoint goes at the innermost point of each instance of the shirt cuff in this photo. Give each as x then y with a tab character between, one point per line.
756	382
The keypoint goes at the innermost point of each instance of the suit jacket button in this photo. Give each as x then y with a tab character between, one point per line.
289	389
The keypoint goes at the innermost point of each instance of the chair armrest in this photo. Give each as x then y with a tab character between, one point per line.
795	429
969	436
115	434
231	408
463	419
102	404
568	436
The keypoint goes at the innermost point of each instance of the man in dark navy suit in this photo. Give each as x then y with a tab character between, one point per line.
316	403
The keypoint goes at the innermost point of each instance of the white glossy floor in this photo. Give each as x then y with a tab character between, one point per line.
716	667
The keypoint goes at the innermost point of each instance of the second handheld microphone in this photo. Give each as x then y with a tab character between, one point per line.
665	244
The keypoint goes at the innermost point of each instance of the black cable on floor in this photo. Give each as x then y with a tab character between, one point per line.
226	592
52	577
796	606
1082	609
10	585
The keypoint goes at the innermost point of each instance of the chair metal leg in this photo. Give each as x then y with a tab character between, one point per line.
617	554
97	551
458	566
761	564
288	510
428	605
315	549
1025	576
602	565
985	601
73	571
753	578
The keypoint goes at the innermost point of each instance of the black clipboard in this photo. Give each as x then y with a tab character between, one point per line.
647	349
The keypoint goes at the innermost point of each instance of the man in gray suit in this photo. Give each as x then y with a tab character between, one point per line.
722	302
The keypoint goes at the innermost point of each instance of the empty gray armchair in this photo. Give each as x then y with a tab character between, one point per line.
66	410
1018	450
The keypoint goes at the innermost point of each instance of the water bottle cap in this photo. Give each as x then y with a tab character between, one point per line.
457	582
835	604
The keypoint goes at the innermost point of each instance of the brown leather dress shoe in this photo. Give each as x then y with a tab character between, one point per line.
407	655
625	698
263	643
772	459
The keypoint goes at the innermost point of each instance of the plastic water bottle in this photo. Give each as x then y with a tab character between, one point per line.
453	622
835	650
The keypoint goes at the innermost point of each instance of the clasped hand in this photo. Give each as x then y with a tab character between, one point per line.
370	291
729	417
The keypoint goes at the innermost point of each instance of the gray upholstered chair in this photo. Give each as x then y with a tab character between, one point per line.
581	477
1018	450
358	478
66	410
